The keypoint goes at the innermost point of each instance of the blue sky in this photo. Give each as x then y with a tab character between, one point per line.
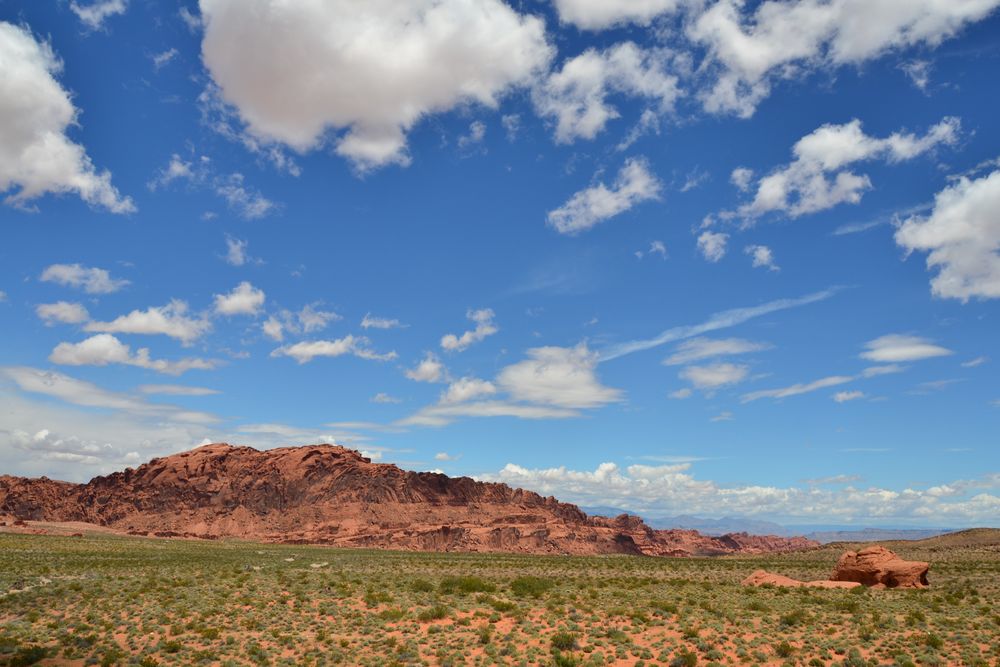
675	256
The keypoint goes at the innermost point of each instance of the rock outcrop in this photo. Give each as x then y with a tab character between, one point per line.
877	567
874	566
326	494
765	578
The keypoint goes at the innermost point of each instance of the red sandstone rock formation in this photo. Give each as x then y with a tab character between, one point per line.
325	494
874	566
765	578
877	567
35	499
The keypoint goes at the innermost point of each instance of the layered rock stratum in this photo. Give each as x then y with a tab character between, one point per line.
327	494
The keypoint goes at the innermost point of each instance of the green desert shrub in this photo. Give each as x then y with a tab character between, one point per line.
435	613
534	587
563	641
467	584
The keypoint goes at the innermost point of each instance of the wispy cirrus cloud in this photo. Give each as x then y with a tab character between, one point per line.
718	321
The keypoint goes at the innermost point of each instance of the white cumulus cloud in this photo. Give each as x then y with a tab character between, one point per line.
673	489
485	326
466	389
603	14
244	299
94	14
712	245
429	369
307	320
558	376
91	280
774	39
170	320
36	155
63	312
104	349
370	321
297	72
576	96
763	257
634	184
962	238
845	396
818	178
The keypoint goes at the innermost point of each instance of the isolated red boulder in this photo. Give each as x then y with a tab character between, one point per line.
878	567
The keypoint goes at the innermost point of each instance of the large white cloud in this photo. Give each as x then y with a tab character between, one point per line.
781	37
962	237
297	70
818	178
576	96
36	155
634	184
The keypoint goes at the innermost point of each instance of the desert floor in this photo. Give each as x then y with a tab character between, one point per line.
112	600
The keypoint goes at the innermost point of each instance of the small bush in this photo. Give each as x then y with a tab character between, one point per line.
28	655
422	586
466	584
435	613
684	659
794	617
534	587
563	641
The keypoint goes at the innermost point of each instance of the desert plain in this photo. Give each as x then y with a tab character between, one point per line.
86	596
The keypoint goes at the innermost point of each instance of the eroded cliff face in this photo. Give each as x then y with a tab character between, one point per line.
326	494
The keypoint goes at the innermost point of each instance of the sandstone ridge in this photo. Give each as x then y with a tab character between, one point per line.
327	494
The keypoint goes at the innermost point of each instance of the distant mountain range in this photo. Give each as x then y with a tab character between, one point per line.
823	533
